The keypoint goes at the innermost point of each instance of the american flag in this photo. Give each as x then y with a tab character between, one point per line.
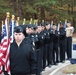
12	25
10	40
1	51
5	45
7	62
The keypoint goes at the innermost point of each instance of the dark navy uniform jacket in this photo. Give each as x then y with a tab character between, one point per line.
62	34
47	36
55	36
22	58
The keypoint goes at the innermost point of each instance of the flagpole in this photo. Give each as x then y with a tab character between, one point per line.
58	27
52	23
13	17
24	21
7	22
37	22
43	21
8	18
12	25
65	24
30	21
2	22
2	26
18	19
34	21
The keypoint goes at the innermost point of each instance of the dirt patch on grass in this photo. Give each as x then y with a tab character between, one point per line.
70	69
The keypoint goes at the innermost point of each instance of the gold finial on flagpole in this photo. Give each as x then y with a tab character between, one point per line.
2	22
13	17
30	20
8	19
8	14
17	21
43	21
18	18
24	20
36	22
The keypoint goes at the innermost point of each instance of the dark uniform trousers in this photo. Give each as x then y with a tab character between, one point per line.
40	53
69	47
62	50
39	61
44	56
49	48
55	53
62	42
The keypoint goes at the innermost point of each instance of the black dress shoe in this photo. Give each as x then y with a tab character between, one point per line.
57	61
43	69
62	61
49	66
55	64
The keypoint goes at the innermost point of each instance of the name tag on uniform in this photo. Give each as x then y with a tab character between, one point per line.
32	36
42	37
36	35
48	33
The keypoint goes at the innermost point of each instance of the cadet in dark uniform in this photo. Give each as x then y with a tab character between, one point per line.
49	44
22	56
33	35
41	44
55	45
62	41
41	37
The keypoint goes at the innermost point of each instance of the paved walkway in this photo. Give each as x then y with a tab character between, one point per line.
54	69
57	70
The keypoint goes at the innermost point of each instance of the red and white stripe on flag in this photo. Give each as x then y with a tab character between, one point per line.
5	45
5	48
0	60
7	62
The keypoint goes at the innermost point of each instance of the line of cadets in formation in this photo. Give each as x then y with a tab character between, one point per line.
49	42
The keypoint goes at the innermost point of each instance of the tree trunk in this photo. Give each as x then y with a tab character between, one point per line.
72	8
42	14
20	8
35	16
14	5
69	9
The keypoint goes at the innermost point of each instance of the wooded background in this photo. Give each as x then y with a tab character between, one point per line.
56	10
